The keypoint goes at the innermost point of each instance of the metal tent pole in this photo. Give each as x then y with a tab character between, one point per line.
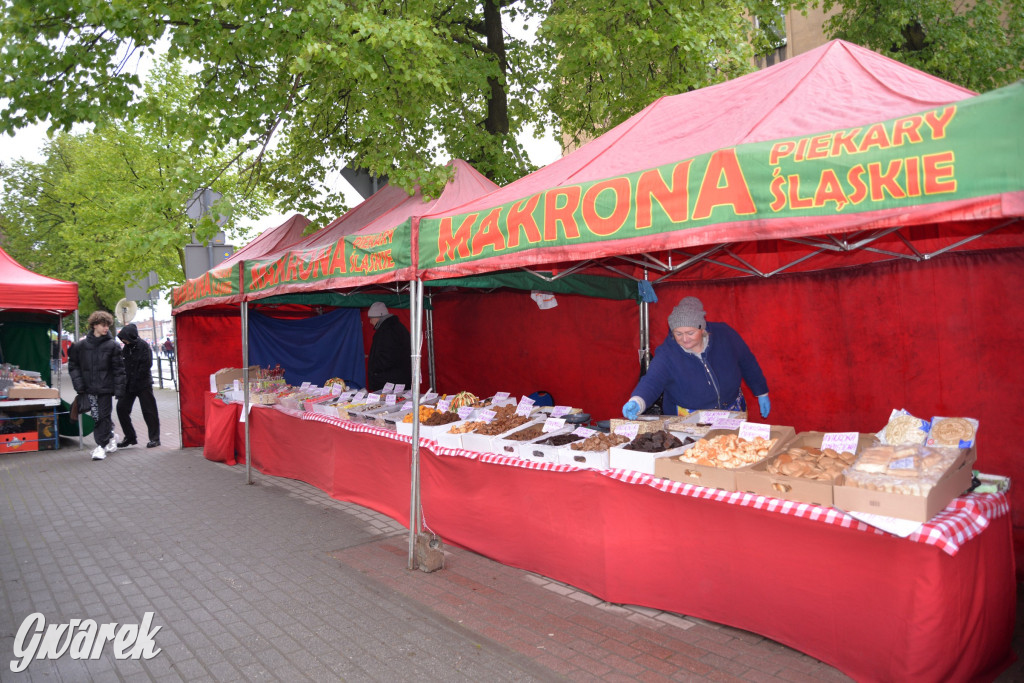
81	441
428	315
175	372
245	389
415	325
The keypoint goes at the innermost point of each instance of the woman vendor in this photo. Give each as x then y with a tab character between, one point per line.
699	367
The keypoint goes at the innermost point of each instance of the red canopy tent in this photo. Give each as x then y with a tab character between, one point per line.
807	205
23	290
31	306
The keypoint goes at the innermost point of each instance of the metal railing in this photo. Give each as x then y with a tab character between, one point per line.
164	372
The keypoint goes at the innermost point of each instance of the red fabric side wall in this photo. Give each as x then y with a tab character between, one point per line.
584	351
840	348
207	341
815	587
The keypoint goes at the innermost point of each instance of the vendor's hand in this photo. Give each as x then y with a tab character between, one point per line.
766	405
631	410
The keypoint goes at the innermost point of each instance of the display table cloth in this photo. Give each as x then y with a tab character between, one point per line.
939	605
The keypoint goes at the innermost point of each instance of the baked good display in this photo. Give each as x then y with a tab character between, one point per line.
903	427
910	469
728	450
823	464
952	431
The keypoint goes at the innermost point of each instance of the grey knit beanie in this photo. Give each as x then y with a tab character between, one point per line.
689	312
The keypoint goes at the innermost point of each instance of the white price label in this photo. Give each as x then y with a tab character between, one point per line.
444	404
346	396
407	405
373	398
305	385
559	411
390	399
553	423
585	432
487	415
465	412
501	396
429	395
840	441
336	389
524	409
628	430
728	423
712	416
360	394
388	388
399	388
751	430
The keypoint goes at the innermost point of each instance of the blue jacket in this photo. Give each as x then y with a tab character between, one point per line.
708	381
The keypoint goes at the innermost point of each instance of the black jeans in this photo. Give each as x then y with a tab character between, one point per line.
149	413
100	408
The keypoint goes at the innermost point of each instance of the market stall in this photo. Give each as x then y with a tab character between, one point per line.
902	168
936	605
32	307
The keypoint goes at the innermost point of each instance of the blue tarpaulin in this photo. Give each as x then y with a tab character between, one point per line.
310	349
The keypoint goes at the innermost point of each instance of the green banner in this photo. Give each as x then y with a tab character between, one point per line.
214	283
963	150
351	257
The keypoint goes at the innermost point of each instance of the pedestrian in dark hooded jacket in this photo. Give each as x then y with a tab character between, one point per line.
97	373
138	369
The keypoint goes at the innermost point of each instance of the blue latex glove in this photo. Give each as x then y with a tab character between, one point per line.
631	410
766	405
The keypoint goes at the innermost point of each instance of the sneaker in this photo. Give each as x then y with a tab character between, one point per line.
99	453
153	444
126	443
111	446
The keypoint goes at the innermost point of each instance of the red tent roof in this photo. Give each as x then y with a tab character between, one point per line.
269	241
837	85
729	130
21	289
390	209
391	206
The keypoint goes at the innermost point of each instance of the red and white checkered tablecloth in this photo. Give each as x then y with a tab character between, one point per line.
963	519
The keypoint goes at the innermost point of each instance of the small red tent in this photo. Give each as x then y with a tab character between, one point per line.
23	290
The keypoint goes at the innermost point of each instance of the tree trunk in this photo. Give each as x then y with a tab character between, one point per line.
496	122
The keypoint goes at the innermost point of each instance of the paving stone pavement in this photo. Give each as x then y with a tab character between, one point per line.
277	581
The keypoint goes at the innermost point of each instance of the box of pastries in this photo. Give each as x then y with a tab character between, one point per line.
909	481
714	460
804	471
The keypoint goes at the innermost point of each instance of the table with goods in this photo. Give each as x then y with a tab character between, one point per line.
885	555
28	411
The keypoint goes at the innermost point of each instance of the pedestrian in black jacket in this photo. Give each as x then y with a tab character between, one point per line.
97	373
138	370
390	357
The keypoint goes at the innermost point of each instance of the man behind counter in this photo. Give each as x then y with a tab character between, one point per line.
699	366
390	355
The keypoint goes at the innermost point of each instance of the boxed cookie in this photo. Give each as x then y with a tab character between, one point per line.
804	471
714	460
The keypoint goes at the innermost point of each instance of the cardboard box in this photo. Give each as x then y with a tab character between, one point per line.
717	477
757	478
592	460
20	442
954	482
32	392
224	379
536	452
